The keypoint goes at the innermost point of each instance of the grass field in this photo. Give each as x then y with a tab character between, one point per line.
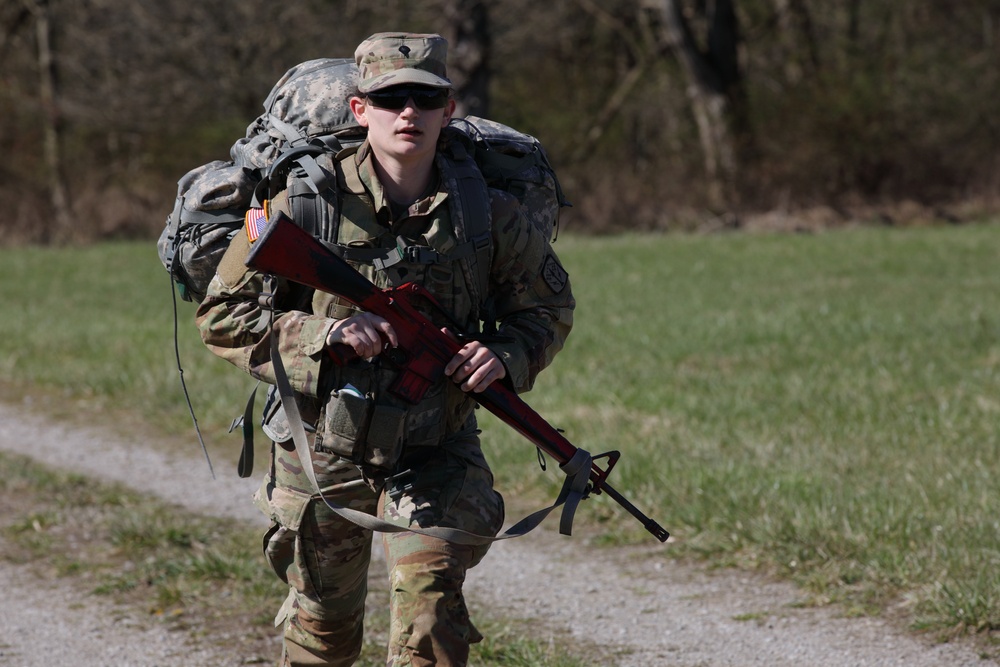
822	406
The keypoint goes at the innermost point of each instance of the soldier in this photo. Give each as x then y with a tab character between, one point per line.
420	465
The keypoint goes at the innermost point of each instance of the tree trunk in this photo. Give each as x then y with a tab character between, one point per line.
468	36
714	87
51	146
795	17
639	58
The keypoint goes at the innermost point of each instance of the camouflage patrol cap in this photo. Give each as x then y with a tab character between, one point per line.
392	58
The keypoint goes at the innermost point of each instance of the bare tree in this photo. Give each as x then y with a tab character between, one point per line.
468	34
49	98
106	102
640	48
796	30
714	88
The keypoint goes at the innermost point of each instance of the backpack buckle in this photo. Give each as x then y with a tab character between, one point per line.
415	254
481	242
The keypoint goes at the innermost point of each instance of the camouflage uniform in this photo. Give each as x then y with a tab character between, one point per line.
442	478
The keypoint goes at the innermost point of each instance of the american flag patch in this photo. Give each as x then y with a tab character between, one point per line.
255	220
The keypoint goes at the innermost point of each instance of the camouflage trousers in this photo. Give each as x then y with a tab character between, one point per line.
325	559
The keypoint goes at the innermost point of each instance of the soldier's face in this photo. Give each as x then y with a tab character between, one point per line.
408	132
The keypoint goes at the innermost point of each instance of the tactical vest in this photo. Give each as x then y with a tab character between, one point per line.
452	259
361	420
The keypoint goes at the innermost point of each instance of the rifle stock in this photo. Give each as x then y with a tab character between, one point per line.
286	250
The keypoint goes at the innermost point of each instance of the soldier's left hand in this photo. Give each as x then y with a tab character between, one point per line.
475	367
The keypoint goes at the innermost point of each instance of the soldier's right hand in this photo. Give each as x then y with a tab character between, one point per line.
365	333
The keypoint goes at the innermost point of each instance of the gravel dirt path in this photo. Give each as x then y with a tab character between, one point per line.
644	610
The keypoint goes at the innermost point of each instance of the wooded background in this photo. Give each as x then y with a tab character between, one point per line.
658	114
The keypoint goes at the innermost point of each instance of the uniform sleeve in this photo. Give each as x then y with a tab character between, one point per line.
532	293
230	316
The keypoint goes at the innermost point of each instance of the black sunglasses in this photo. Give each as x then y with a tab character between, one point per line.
396	98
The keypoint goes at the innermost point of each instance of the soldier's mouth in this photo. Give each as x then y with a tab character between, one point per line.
410	134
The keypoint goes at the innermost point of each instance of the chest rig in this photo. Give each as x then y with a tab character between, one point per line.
450	256
327	198
445	246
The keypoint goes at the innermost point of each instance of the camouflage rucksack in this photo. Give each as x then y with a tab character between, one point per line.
308	105
517	163
305	113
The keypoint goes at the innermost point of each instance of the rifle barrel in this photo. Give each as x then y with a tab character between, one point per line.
656	529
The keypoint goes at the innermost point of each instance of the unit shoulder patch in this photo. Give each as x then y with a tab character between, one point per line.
554	274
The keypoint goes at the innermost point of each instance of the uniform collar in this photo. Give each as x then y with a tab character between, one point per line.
365	162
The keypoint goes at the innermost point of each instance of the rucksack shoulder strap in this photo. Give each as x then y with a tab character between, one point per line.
472	218
327	190
355	200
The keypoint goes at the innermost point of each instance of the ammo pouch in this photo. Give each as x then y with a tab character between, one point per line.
360	430
365	424
352	425
360	422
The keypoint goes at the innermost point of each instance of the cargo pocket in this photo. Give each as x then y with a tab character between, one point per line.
279	549
283	542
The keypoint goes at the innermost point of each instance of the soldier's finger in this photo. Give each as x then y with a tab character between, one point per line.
390	334
456	364
480	380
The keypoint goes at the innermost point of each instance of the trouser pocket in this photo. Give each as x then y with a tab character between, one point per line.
279	550
282	541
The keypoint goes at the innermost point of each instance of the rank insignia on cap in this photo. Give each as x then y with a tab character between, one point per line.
255	221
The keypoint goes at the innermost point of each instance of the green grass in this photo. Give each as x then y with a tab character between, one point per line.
96	323
823	406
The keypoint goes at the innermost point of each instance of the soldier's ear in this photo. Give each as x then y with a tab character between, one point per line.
449	110
359	107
